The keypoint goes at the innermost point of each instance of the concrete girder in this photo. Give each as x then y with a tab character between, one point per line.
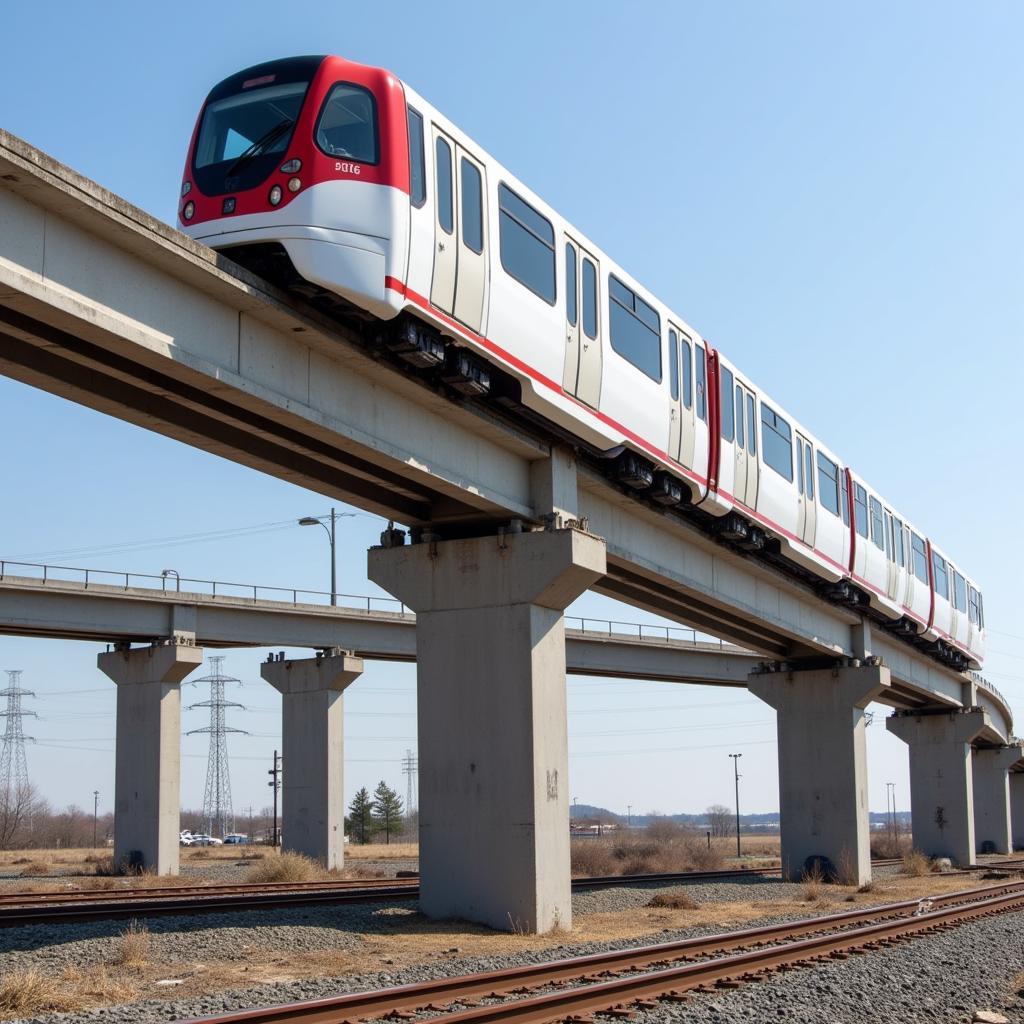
147	773
312	754
991	766
823	765
493	743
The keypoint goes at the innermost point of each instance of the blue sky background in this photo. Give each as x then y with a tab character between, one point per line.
830	193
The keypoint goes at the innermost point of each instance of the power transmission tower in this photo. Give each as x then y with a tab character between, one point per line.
217	813
409	767
13	765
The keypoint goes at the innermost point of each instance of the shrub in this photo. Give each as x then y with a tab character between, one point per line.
35	867
285	867
813	881
673	899
133	946
916	864
25	992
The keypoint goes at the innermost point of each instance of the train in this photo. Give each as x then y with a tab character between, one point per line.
342	182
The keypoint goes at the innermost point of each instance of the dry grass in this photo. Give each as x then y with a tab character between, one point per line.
673	899
813	882
285	867
916	864
36	868
382	851
133	946
28	992
659	848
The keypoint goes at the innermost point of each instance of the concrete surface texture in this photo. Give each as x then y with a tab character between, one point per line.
312	752
941	780
147	771
493	738
992	797
1017	809
823	765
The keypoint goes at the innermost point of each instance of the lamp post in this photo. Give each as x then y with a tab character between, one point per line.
332	536
95	814
736	772
171	572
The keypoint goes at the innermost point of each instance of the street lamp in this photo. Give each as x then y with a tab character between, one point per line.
736	771
171	572
95	814
317	521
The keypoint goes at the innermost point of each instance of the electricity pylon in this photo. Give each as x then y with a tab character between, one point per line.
13	764
217	813
409	767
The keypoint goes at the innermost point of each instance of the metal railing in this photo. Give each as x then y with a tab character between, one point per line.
988	687
641	631
173	583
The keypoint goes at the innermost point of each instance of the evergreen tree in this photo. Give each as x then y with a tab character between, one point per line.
387	809
361	817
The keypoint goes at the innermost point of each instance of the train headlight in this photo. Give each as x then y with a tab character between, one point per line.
294	184
293	166
275	195
189	211
186	187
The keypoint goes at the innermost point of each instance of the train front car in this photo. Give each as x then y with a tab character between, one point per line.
301	167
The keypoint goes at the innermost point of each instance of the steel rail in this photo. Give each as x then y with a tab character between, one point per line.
882	922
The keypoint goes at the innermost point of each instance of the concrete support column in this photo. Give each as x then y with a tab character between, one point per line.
147	773
1017	809
493	750
823	765
992	797
941	779
312	753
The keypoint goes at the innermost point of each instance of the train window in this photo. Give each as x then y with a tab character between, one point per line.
727	411
897	536
570	284
445	206
959	592
800	465
635	329
589	299
809	470
347	125
860	509
941	575
844	498
673	365
751	427
828	484
972	605
739	417
776	443
981	610
527	245
877	526
890	543
702	386
919	554
687	371
417	168
472	206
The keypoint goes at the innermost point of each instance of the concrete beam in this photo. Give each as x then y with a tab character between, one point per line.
147	773
941	779
312	756
493	746
823	765
1017	809
992	797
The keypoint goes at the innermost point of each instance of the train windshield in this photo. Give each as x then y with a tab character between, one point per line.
243	135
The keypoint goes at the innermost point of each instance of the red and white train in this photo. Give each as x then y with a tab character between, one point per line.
349	180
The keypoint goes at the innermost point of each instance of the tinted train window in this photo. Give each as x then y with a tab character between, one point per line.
417	169
702	384
472	207
920	557
725	400
972	605
828	484
959	592
527	245
687	371
570	285
635	329
445	207
860	509
941	576
589	299
844	498
776	443
673	365
347	125
751	426
877	524
897	532
809	471
739	417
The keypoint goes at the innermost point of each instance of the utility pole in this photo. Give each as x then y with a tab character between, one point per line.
275	783
890	807
95	814
334	516
409	767
736	772
629	815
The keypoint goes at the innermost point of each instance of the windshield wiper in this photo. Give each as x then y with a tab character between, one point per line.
254	150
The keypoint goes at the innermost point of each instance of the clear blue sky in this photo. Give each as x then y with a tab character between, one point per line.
831	193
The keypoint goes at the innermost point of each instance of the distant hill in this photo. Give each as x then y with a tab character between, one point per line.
590	812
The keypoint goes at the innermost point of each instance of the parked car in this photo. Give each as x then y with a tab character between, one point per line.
205	840
236	839
186	839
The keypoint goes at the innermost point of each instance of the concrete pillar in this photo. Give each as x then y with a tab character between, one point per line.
1017	809
147	773
493	751
992	797
823	765
312	752
941	779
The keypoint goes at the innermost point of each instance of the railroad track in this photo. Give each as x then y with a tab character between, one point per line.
621	982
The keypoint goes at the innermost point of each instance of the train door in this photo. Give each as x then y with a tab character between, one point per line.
583	359
442	286
682	426
893	542
807	510
745	475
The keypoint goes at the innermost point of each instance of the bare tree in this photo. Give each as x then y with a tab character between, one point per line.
719	820
16	806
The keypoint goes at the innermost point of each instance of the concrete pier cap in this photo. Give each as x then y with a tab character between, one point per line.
147	773
941	777
493	744
312	754
823	765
